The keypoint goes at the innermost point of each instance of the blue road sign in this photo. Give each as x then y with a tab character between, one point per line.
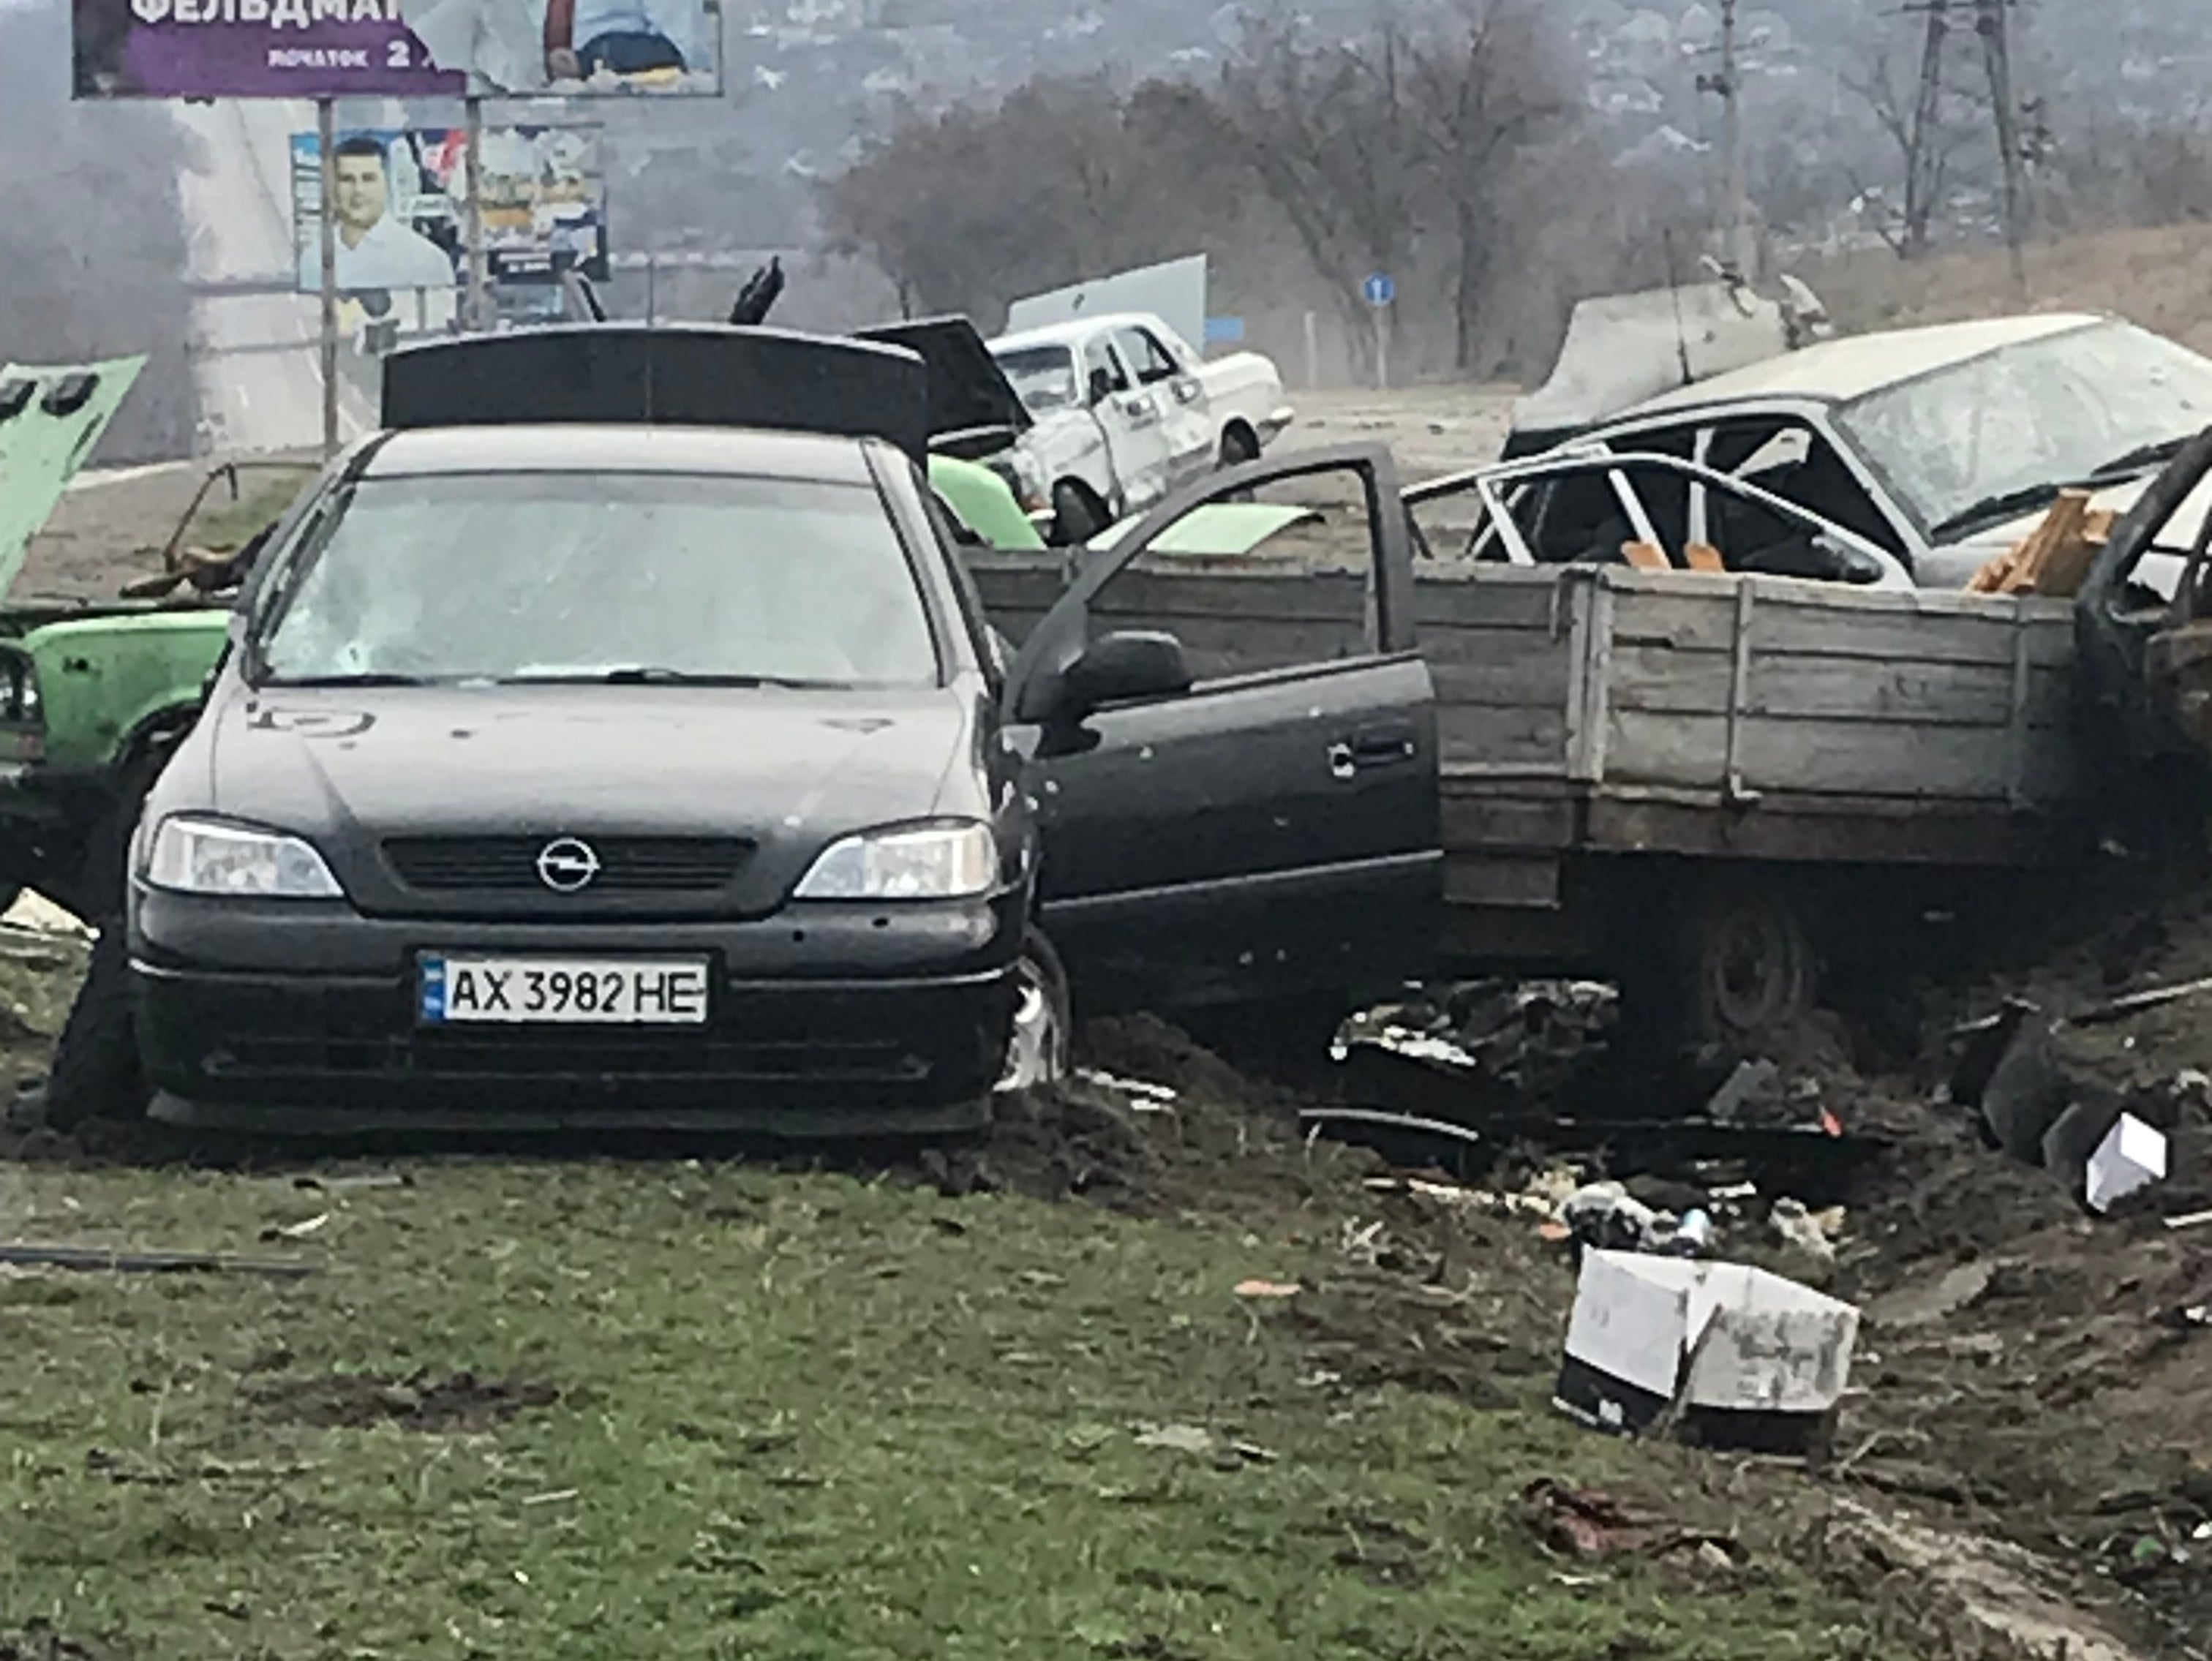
1381	289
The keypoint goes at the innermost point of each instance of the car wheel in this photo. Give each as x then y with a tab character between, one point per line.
97	1073
1038	1052
1238	445
1077	515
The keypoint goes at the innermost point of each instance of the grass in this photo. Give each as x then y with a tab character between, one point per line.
799	1415
263	494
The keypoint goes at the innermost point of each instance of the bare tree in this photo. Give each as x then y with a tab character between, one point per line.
1483	91
1929	110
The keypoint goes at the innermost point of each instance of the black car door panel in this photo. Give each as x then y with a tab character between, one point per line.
1247	837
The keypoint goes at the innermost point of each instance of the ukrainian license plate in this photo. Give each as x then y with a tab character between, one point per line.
531	992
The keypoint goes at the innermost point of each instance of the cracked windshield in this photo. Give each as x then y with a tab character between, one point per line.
1102	828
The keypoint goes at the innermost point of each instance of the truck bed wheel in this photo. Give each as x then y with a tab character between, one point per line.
95	1073
1734	972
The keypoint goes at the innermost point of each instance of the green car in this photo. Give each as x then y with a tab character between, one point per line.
90	694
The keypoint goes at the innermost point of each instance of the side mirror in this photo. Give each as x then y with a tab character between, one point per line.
1102	385
1118	668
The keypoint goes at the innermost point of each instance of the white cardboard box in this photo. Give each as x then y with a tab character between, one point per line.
2132	1155
1774	1359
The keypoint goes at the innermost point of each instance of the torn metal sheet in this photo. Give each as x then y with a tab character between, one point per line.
1621	349
1228	530
51	418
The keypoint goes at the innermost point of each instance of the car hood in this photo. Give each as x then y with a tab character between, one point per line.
787	771
50	420
967	390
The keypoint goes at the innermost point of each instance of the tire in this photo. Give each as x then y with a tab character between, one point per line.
97	1073
1040	1049
1735	972
1238	446
1077	517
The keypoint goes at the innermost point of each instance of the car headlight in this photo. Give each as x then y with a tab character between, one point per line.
207	856
914	862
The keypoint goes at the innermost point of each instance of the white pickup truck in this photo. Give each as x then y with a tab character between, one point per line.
1123	413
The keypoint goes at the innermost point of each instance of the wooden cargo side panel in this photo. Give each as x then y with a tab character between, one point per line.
1505	654
1933	697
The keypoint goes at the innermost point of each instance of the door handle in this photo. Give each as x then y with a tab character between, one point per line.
1390	744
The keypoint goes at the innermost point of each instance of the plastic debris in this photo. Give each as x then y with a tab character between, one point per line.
1267	1289
2132	1156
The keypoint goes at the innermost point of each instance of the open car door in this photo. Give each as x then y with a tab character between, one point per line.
1234	766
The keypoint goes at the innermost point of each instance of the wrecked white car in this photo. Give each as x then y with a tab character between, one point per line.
1649	512
1943	446
1125	412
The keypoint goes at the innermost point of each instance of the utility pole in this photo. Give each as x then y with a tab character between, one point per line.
327	145
1926	138
1742	252
1989	22
475	310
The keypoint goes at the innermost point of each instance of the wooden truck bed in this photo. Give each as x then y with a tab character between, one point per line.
1587	713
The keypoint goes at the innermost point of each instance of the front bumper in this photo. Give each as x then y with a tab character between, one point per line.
846	1021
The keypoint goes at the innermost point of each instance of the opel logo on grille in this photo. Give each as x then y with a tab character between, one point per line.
567	865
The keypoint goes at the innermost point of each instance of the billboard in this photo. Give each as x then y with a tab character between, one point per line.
1173	291
395	48
402	214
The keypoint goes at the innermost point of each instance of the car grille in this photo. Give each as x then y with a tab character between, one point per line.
627	864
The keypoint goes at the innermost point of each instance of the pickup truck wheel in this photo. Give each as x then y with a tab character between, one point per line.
1038	1049
95	1073
1076	514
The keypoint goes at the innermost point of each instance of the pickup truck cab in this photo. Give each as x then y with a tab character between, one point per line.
1126	412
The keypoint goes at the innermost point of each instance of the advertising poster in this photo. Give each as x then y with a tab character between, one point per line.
395	48
403	218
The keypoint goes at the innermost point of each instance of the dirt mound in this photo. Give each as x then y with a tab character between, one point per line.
457	1401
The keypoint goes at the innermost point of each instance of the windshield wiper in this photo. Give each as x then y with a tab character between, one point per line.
2142	456
2007	503
364	680
640	675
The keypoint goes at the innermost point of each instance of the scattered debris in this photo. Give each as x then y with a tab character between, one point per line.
147	1262
1177	1439
1581	1522
1747	1358
299	1231
341	1185
1267	1289
2132	1156
2136	1003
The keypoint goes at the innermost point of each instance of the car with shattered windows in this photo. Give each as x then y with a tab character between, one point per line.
650	768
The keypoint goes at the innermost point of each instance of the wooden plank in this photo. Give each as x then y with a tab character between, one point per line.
1657	680
1507	667
1738	692
1528	881
1791	624
1591	728
1496	819
1860	831
1474	739
1815	757
1500	598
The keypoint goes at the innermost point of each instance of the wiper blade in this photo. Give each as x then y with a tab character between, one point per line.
2034	495
2142	456
2003	506
638	675
366	680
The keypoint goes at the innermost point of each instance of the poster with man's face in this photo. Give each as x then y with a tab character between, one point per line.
400	217
396	48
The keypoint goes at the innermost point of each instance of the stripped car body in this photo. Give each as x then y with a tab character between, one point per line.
1943	444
